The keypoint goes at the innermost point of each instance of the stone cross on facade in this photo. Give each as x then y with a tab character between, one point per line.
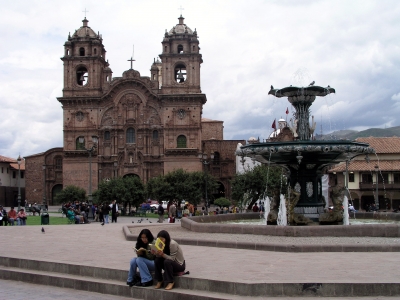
85	11
131	60
181	8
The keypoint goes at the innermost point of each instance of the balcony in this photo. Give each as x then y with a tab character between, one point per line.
372	185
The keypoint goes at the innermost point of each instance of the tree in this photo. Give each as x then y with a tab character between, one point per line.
222	202
71	193
181	185
127	190
256	184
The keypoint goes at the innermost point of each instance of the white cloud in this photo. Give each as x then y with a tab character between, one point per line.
246	47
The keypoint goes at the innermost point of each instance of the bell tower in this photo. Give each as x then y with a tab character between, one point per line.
181	60
86	71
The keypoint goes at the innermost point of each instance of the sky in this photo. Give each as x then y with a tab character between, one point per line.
247	46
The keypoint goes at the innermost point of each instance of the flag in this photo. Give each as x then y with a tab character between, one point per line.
274	124
287	110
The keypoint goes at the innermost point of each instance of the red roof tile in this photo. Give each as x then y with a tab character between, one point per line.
382	144
7	159
362	165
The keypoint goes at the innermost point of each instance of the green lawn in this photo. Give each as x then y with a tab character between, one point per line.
36	220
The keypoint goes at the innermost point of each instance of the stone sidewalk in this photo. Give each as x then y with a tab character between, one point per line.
105	246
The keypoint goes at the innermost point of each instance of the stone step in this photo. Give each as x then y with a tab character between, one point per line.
110	281
111	287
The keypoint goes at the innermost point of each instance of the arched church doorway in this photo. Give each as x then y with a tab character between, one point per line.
220	191
54	191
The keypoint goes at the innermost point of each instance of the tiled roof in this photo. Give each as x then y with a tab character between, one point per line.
15	165
362	165
7	159
382	144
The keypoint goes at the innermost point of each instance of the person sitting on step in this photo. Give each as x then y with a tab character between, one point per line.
144	261
170	260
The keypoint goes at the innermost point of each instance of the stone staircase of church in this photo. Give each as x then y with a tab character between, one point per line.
113	282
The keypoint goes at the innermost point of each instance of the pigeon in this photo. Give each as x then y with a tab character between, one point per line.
272	87
150	222
146	219
102	224
312	83
43	230
133	221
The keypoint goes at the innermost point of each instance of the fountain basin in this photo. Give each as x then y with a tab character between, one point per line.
210	224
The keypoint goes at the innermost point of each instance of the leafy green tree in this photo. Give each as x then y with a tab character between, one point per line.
255	184
71	193
128	190
222	202
181	185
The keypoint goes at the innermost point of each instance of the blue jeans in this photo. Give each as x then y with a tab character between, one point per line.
106	219
145	267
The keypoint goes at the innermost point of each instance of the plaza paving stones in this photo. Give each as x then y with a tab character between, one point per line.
222	271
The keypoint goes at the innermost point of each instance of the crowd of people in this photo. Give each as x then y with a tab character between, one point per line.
12	217
78	212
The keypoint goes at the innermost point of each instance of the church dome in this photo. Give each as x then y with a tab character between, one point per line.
85	31
180	28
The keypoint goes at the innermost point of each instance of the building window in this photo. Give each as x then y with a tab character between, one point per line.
80	146
383	177
180	49
180	73
58	163
130	135
14	174
82	76
396	177
181	141
351	177
217	158
2	169
366	178
81	51
22	174
107	135
155	135
95	51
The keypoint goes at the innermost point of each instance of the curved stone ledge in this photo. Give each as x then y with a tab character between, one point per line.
210	224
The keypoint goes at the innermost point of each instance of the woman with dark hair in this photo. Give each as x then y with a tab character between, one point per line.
144	261
170	260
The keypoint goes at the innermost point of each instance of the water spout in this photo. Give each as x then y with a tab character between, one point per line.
282	217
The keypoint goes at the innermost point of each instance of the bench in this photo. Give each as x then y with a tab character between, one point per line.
139	213
33	209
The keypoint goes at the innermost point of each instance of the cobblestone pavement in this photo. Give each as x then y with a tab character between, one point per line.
16	290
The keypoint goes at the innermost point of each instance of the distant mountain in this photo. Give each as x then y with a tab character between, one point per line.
353	134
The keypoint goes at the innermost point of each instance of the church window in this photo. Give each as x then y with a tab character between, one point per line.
180	49
95	51
82	76
106	135
181	142
80	145
165	49
81	51
58	163
155	135
180	73
194	48
67	52
130	135
217	158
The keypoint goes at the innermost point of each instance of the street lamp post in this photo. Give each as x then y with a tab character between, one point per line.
377	197
44	187
90	151
19	182
205	162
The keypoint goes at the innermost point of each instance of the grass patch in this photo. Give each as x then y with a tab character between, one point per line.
36	220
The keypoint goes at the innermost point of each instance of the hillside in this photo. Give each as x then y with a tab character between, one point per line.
352	134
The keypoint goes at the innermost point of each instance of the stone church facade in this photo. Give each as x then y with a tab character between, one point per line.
145	126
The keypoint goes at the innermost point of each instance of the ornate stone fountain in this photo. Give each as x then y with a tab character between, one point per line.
304	159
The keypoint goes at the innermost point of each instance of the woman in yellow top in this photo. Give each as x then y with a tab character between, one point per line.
170	260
